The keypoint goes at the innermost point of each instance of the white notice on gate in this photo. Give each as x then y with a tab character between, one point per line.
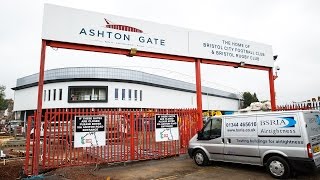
167	127
89	131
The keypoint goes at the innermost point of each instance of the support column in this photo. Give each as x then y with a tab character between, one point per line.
39	109
272	91
199	93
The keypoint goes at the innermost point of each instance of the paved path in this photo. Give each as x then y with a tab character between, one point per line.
185	168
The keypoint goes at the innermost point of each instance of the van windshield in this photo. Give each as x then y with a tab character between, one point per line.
212	128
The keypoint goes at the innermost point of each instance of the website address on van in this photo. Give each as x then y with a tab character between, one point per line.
241	130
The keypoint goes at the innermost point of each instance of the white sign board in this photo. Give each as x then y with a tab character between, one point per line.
83	27
167	128
89	131
286	126
211	46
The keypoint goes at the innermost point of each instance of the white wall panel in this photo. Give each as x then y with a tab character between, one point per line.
153	97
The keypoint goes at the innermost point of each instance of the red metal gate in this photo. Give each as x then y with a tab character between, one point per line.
130	136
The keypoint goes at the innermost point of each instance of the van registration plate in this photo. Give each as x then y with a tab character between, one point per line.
316	149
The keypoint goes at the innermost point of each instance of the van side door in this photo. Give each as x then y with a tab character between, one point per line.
211	139
281	132
241	139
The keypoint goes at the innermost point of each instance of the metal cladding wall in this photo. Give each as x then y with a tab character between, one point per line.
153	97
157	91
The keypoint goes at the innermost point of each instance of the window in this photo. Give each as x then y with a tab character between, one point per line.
129	94
60	94
123	94
212	129
54	94
140	95
116	93
135	95
49	93
44	95
87	94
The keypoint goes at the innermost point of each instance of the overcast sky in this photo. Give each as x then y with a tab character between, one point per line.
291	26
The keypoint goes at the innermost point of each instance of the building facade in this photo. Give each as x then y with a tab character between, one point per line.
102	87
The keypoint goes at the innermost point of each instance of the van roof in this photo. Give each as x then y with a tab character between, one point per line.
268	112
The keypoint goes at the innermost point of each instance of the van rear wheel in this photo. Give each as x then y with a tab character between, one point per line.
200	158
278	167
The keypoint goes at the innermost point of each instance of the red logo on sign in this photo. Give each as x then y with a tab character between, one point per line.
121	27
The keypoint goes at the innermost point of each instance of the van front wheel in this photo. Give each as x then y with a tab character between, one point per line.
200	158
278	167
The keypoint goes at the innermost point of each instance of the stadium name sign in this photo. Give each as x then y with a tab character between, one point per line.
83	27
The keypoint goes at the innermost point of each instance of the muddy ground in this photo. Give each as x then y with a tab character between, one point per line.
11	169
170	168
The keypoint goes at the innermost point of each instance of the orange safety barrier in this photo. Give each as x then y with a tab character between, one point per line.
130	136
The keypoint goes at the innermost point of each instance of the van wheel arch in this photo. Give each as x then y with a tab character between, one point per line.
266	157
195	150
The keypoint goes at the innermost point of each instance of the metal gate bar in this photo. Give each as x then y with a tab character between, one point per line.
130	136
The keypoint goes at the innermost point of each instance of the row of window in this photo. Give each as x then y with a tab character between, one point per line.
51	94
90	93
123	93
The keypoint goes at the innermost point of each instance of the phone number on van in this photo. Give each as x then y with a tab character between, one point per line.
242	124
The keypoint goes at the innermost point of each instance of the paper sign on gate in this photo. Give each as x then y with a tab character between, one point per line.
167	127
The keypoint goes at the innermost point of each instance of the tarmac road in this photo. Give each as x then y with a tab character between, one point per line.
184	168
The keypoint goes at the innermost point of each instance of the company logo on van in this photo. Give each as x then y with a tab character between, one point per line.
291	121
283	122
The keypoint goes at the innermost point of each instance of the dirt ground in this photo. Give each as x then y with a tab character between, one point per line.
82	172
170	168
150	169
11	169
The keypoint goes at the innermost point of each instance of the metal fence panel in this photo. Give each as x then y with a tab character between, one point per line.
130	136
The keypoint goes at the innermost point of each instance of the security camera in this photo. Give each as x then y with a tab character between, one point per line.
275	57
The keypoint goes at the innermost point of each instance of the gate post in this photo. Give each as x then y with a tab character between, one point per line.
199	93
39	109
28	142
131	136
272	91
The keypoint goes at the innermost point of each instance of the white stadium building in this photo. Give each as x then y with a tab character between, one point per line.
104	87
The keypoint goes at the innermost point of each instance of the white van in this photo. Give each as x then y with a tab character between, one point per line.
283	142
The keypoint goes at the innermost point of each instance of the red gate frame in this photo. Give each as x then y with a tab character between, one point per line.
74	46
